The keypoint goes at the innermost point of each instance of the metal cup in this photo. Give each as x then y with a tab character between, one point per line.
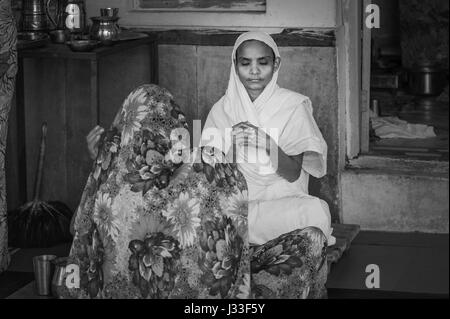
58	279
109	12
43	272
58	36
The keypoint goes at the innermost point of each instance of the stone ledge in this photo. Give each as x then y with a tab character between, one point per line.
287	38
400	166
395	201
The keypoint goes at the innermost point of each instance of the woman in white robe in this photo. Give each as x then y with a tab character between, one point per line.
254	105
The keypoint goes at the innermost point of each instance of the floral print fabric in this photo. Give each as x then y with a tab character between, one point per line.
8	70
157	221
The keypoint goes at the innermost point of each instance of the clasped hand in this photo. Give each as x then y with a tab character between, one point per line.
245	135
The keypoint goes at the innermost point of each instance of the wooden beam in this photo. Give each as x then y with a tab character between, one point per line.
288	38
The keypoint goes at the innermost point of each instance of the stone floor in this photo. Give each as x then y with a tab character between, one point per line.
411	265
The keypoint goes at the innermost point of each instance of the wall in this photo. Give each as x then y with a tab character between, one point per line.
280	14
395	202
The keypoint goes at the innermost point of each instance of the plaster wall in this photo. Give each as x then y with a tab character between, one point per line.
385	201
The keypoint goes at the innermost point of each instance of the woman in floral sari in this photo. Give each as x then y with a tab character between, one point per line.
8	69
158	220
150	224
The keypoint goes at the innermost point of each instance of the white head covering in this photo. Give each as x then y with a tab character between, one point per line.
237	102
236	106
290	113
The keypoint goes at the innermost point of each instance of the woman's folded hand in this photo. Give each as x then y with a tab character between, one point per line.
246	134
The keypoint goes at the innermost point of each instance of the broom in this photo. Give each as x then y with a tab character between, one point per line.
38	223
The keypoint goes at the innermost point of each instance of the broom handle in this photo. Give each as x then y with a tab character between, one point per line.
37	185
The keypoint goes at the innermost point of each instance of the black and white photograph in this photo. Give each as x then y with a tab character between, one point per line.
227	156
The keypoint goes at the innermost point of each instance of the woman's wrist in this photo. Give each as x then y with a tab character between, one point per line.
287	167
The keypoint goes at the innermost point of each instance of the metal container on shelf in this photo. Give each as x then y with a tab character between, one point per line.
33	6
427	81
34	22
109	12
104	29
34	15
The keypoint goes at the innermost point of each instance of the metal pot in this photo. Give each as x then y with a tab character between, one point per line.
36	14
104	29
34	22
427	81
33	6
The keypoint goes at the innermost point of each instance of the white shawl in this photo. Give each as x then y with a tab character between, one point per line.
283	114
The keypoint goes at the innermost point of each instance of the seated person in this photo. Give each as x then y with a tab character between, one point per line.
150	224
277	127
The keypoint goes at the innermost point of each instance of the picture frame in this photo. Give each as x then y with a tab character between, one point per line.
251	6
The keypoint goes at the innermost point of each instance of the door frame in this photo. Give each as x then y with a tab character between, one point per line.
353	41
366	49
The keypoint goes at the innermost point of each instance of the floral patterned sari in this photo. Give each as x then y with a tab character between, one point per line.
8	69
156	220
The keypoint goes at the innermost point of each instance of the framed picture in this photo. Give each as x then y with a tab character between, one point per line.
200	5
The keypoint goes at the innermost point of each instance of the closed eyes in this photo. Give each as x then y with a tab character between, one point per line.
246	62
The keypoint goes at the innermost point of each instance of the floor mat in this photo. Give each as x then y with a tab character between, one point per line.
11	281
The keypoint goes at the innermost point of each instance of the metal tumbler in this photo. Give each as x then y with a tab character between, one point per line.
59	276
43	272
